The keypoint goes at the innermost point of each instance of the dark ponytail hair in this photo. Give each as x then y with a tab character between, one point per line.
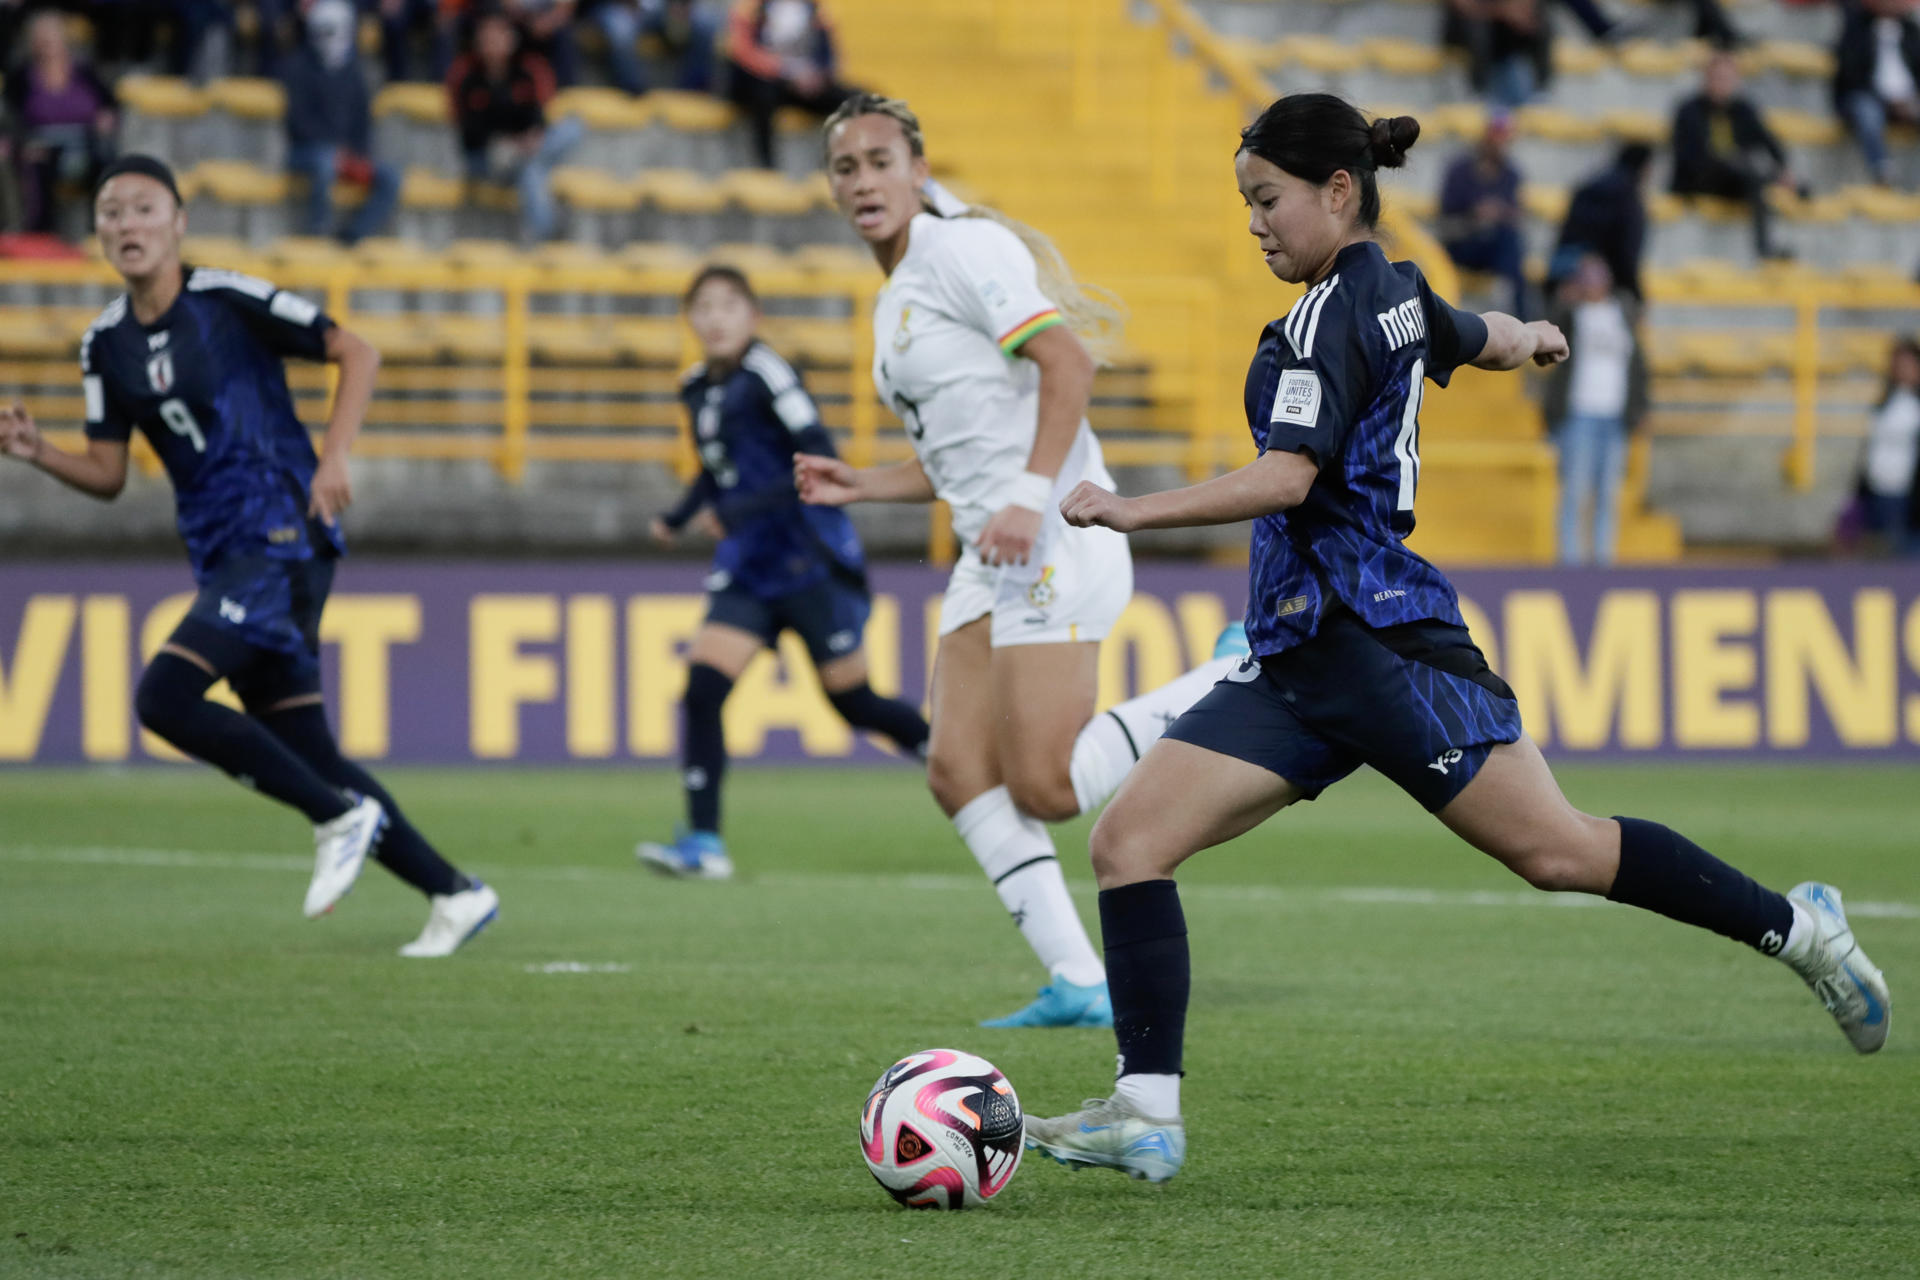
1314	135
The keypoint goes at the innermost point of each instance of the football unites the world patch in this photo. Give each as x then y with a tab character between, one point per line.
1297	400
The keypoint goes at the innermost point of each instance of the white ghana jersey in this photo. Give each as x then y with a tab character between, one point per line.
962	300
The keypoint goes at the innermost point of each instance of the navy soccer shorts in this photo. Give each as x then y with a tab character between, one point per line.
1417	702
257	622
829	618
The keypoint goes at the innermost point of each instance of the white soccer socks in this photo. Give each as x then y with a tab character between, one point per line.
1017	854
1114	740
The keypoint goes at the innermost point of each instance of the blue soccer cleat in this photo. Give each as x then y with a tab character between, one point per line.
1232	642
693	855
1062	1004
1108	1134
1832	963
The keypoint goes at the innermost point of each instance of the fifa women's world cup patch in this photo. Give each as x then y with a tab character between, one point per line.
1297	400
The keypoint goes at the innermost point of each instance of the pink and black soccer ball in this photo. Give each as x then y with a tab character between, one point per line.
942	1130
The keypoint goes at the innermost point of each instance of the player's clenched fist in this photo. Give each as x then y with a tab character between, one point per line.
825	482
1089	505
19	437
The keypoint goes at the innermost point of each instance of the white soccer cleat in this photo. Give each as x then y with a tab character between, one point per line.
1839	972
340	849
454	919
1109	1135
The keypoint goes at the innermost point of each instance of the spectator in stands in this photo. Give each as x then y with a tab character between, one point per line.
686	32
1876	74
1721	147
401	22
1887	469
330	125
780	54
1508	43
500	93
61	122
1608	216
546	28
1480	211
1594	399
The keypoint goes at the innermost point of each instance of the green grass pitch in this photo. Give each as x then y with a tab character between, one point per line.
1401	1062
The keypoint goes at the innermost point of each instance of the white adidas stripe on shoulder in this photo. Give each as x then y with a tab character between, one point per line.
110	315
694	374
774	371
204	278
1303	322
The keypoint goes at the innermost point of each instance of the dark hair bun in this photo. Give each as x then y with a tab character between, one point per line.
1389	138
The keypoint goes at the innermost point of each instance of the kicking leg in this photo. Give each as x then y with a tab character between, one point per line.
1514	811
1010	844
1182	799
1113	741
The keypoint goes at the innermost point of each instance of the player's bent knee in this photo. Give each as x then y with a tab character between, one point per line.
954	780
1049	798
1120	856
168	689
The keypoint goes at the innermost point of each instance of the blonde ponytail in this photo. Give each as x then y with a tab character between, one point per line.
1095	315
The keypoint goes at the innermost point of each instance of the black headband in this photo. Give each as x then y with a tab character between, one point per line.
146	167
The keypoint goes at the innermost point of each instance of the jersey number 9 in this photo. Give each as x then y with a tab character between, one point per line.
179	419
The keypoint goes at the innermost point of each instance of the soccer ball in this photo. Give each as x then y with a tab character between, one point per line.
942	1130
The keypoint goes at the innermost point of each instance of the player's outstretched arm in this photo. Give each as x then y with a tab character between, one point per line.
359	362
100	472
1511	343
831	482
1270	483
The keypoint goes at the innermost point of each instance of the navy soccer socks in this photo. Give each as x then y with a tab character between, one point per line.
703	744
172	701
1663	871
862	708
402	849
1148	974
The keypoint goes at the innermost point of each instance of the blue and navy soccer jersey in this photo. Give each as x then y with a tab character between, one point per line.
207	386
745	424
1340	377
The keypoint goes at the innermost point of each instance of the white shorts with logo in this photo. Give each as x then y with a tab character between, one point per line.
1074	590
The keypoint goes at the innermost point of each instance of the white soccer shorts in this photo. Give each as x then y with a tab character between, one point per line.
1074	589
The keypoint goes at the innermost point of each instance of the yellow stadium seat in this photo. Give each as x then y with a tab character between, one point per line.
834	259
225	252
572	340
691	112
1404	57
1422	206
681	191
422	188
35	335
1317	53
1805	128
1664	206
472	339
421	103
237	182
1557	124
601	108
1791	57
1579	58
166	96
1832	207
1881	204
813	340
248	98
318	252
379	251
1547	203
404	339
1858	350
595	189
754	259
1662	60
794	120
763	192
654	255
570	255
484	255
653	341
1465	120
1628	124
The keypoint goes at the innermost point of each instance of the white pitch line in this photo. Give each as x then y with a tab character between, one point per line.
1386	896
